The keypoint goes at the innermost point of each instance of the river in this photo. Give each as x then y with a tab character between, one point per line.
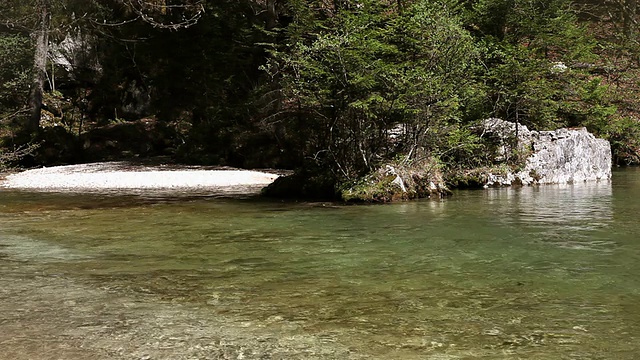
548	272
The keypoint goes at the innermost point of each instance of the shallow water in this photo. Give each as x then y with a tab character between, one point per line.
537	273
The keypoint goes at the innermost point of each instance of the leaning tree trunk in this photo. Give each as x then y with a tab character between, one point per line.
39	65
629	9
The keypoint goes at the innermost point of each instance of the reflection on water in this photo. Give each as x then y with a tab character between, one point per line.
588	203
566	215
545	273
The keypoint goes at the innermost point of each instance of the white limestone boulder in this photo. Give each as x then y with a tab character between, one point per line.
557	157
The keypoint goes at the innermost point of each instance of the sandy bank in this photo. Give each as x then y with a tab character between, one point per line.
126	176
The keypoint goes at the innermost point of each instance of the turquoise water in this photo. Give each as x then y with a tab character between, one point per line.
534	273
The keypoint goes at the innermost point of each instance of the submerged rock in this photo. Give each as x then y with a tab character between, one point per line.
554	157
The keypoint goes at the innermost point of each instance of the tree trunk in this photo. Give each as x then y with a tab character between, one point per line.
41	33
272	15
629	17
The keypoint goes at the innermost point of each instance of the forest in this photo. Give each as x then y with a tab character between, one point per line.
332	89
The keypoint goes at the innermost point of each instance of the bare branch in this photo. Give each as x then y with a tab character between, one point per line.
105	23
9	117
145	11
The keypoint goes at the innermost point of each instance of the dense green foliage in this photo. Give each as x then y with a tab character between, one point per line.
331	88
14	74
353	81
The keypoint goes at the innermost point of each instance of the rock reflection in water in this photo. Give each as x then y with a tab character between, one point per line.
588	203
570	216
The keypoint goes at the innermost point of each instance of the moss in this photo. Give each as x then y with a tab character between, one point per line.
474	178
373	189
466	180
398	180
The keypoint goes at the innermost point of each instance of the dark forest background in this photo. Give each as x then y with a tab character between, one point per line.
331	88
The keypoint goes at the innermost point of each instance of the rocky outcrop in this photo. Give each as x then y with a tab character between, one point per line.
399	180
554	157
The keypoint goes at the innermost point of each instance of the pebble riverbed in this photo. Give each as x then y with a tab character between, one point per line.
124	176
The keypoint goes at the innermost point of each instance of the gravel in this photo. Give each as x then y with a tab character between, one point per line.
126	176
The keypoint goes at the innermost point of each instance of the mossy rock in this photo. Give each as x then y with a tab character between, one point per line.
474	178
372	189
467	180
397	181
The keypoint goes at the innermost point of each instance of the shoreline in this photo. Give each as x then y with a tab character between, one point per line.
127	176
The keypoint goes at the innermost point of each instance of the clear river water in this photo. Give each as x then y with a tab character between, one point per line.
550	272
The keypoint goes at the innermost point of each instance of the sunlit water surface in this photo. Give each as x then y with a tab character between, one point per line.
547	272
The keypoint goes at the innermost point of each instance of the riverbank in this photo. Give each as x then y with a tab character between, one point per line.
126	176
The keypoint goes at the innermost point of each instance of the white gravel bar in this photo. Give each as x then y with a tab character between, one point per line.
125	176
